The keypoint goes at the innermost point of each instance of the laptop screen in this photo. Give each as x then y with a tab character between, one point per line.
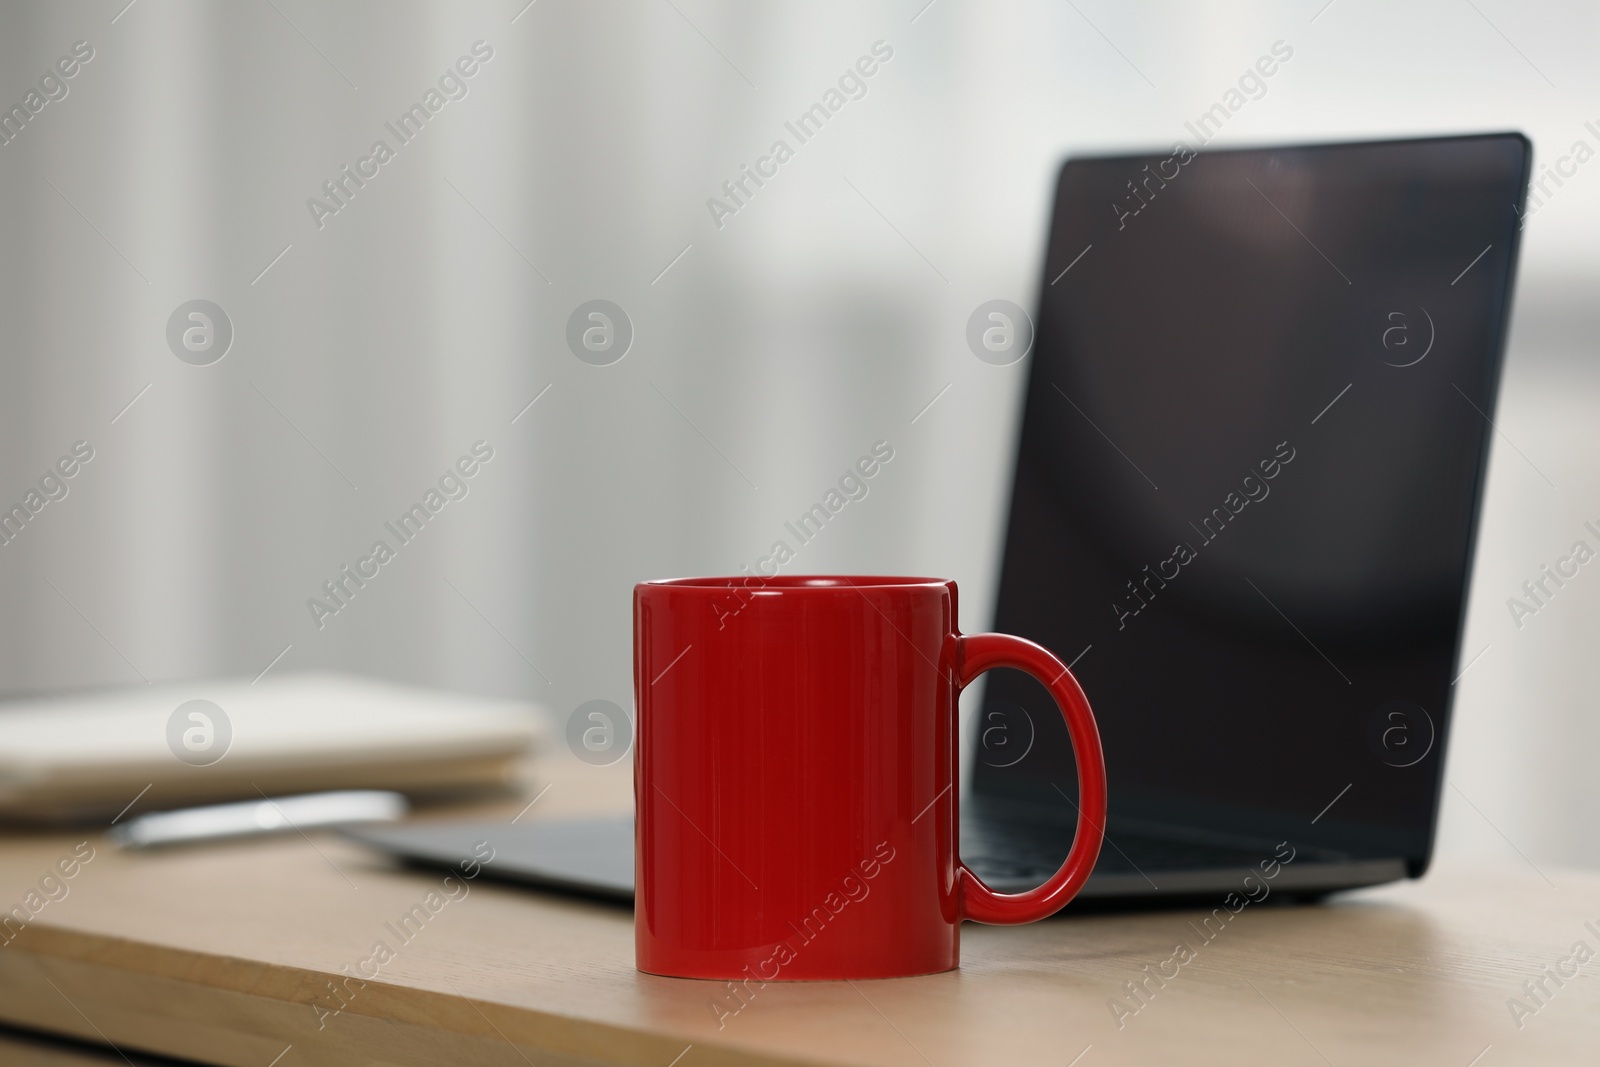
1248	478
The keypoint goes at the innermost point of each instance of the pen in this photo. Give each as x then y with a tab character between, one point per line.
254	817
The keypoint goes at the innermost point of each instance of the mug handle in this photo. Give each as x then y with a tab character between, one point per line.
976	653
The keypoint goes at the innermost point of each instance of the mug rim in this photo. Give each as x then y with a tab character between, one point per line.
798	583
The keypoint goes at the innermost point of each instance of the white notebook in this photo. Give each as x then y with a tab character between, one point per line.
88	756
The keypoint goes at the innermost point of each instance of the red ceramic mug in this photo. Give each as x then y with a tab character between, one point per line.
795	778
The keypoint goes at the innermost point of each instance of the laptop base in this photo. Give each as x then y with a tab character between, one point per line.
593	858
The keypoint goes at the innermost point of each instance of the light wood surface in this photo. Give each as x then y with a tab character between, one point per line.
218	954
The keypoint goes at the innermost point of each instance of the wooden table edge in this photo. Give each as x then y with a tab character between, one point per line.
85	986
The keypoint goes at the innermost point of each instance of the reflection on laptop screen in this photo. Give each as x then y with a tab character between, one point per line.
1249	471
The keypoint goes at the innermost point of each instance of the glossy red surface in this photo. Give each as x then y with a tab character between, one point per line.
795	778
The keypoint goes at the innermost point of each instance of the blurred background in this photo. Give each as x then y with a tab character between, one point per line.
382	329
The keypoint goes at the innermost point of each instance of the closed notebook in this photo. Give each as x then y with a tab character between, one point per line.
88	756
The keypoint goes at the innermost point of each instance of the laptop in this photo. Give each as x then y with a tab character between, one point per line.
1244	505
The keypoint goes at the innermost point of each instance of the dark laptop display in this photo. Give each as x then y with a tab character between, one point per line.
1248	482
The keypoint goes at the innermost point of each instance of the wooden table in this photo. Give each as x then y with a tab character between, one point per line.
224	954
